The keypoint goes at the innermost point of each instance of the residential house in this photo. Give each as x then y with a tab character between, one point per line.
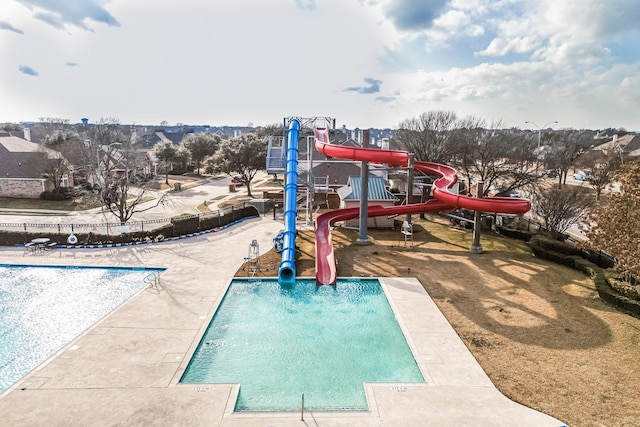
28	169
628	145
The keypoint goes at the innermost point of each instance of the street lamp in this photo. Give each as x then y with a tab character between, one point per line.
540	129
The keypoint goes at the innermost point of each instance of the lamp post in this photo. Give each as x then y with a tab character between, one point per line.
540	129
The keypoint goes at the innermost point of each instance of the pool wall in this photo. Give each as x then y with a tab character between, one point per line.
373	345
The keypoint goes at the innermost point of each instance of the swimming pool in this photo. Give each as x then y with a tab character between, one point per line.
44	308
323	341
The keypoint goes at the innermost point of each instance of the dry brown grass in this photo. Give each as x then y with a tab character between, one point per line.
538	329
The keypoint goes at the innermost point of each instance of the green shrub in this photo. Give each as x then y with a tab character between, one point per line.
186	224
515	234
53	195
557	246
622	286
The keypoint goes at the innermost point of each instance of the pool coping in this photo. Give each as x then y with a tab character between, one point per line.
126	368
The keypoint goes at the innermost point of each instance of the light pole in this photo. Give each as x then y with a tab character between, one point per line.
540	129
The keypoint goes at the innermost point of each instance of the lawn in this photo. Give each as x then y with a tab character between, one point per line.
19	204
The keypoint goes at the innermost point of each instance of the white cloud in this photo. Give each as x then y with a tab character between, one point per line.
75	13
452	24
503	46
7	26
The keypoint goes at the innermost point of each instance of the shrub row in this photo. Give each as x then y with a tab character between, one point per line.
179	226
567	254
515	234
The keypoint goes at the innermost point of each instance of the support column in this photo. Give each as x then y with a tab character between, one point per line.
363	238
409	198
476	247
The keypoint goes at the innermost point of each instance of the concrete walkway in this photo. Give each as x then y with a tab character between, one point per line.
125	369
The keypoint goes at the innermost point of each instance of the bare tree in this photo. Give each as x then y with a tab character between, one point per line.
58	139
116	169
603	165
428	136
503	158
560	208
52	130
54	167
10	127
564	148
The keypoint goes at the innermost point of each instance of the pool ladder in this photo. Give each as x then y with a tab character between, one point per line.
153	280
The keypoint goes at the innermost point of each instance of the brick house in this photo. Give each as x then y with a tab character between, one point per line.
27	169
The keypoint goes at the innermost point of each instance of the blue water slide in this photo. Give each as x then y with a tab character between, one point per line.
287	271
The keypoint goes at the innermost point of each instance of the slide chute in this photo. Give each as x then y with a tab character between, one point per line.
287	270
443	198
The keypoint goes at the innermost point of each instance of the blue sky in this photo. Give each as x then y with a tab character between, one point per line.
367	63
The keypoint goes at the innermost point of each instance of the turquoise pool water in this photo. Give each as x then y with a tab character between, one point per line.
325	341
44	308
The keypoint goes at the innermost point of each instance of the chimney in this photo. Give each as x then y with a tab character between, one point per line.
27	134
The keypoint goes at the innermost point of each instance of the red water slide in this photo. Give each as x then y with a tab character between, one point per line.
443	199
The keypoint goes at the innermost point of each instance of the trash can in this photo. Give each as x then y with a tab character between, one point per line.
232	188
177	186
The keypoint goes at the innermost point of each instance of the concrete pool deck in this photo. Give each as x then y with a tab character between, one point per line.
125	369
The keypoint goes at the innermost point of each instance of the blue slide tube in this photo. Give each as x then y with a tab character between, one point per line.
287	271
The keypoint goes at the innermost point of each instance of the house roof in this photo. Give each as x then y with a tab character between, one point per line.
20	158
377	189
338	172
630	144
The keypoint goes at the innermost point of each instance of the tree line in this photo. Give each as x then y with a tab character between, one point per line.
511	159
507	160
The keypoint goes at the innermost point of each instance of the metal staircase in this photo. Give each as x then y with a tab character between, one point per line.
275	157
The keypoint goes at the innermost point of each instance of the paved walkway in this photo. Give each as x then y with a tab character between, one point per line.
125	369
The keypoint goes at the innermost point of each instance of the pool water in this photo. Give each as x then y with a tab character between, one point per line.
323	341
44	308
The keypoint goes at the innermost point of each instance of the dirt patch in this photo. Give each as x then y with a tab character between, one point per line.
538	329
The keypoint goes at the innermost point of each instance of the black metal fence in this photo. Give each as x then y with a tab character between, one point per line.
115	232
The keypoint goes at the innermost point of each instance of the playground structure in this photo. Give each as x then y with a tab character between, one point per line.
443	199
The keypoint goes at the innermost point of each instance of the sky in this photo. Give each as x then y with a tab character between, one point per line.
365	63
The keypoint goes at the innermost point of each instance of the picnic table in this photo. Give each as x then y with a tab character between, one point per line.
39	244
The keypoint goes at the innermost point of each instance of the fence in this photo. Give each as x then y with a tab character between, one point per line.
115	232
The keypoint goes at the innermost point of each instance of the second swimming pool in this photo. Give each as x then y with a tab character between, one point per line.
44	308
323	341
